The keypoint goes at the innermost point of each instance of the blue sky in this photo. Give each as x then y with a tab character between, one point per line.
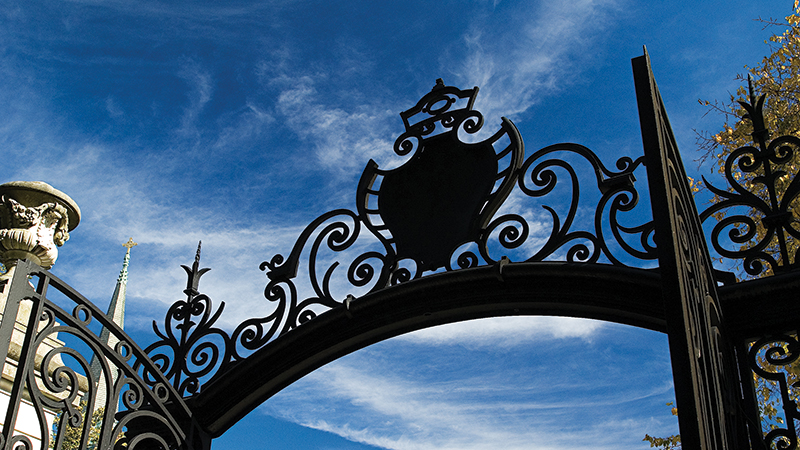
237	123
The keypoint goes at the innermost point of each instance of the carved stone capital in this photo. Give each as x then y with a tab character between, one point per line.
35	219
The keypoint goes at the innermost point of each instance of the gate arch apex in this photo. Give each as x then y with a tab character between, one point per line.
624	295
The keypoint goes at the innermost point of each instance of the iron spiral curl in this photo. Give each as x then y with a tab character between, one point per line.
191	348
444	208
65	380
755	218
569	238
770	358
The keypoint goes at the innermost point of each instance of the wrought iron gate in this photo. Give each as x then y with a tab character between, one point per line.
444	249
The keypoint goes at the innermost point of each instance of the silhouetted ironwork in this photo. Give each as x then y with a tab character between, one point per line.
190	348
447	192
754	221
699	349
466	209
773	358
756	211
438	210
142	410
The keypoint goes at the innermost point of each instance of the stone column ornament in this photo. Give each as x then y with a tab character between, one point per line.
35	219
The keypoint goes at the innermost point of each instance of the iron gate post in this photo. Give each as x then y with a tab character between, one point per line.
704	372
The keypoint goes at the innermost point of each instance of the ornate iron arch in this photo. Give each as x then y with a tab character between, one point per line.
440	211
434	241
619	294
462	257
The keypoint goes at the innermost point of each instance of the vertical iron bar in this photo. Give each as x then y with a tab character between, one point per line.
20	289
703	372
760	135
752	417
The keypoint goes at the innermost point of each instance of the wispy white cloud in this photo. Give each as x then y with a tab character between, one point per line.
201	88
343	137
137	201
113	108
371	399
249	123
531	55
197	11
516	60
505	332
148	191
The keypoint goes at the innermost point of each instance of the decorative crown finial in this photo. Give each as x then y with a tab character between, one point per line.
442	103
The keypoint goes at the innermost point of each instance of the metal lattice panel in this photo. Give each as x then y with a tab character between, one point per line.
764	188
701	354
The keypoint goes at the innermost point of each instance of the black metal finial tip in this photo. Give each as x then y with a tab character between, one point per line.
439	84
751	90
194	273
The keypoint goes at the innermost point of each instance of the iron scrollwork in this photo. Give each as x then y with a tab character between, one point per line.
761	227
192	350
136	408
451	205
445	208
774	360
618	195
190	347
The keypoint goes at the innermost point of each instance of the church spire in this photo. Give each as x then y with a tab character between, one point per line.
116	309
116	313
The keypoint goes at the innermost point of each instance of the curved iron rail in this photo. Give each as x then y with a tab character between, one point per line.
140	408
618	294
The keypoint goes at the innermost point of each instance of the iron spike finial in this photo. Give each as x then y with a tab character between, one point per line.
755	113
194	274
750	89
